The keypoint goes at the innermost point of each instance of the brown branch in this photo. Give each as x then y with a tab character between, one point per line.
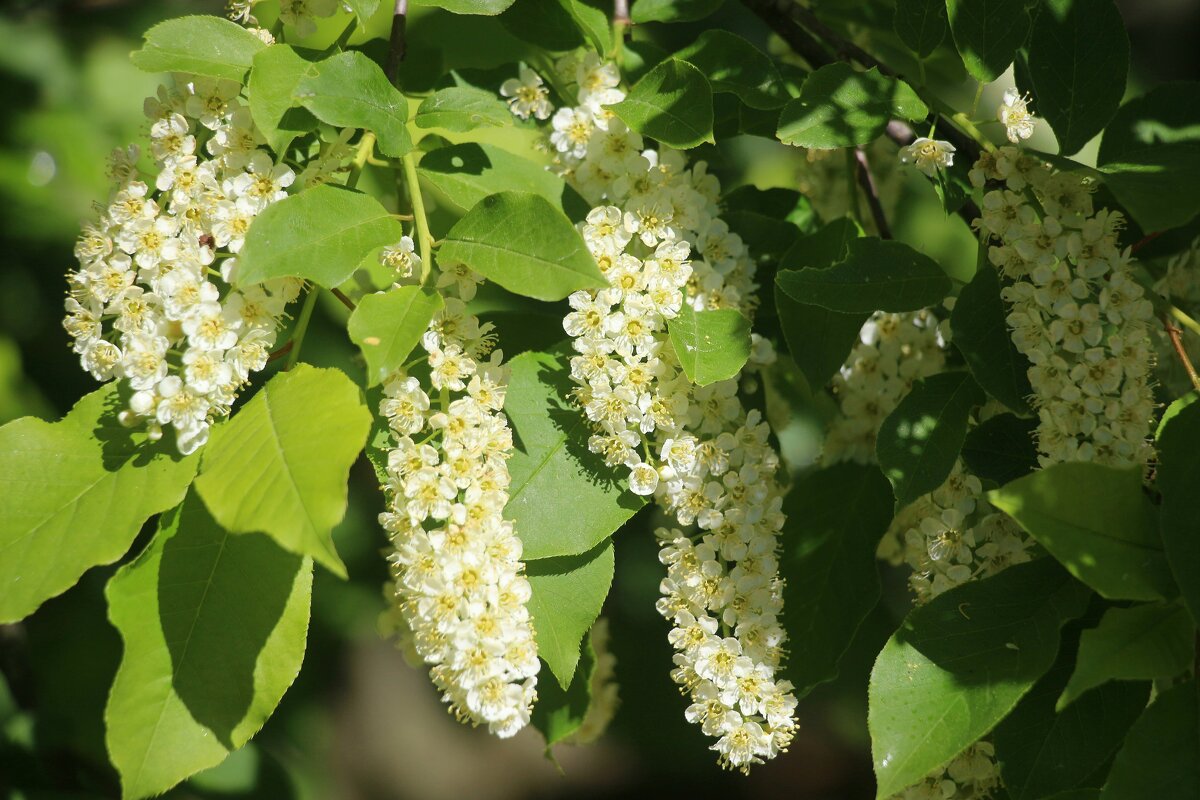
340	295
867	182
1175	333
281	352
397	43
778	20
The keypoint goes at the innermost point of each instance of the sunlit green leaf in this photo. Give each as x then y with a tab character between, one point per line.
386	326
462	108
711	345
76	492
277	71
733	65
567	595
349	90
1098	522
279	465
671	103
214	627
211	47
839	106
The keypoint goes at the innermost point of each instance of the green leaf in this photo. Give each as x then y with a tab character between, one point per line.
1159	759
76	492
549	26
522	242
462	108
959	664
488	8
551	459
841	107
279	466
560	712
671	103
277	71
921	25
1078	60
199	45
364	9
1142	642
1150	156
1179	515
1098	522
321	234
1001	449
818	339
591	17
1041	751
987	34
466	173
567	595
349	90
711	345
836	517
981	335
877	274
214	627
920	440
672	10
386	326
734	66
1173	411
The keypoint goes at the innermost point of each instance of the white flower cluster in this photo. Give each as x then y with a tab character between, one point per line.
300	14
1077	312
894	351
456	561
707	462
147	305
661	199
971	775
951	536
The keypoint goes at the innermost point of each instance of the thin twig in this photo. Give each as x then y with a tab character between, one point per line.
1175	333
1145	240
340	295
867	182
796	37
397	43
283	351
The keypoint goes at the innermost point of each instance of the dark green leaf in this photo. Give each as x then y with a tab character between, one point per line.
1179	515
836	517
567	593
1142	642
671	103
386	326
522	242
981	334
711	345
279	466
921	25
488	8
734	66
321	234
1001	449
1161	756
1150	155
1078	60
547	25
672	10
214	628
462	108
200	45
841	107
920	440
277	71
1042	751
959	664
558	713
987	34
877	274
76	492
1098	522
551	459
349	90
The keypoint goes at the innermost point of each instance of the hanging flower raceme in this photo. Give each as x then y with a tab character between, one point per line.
459	580
152	303
1076	310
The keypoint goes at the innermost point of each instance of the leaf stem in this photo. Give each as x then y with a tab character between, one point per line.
867	182
424	240
1175	333
310	302
341	296
620	26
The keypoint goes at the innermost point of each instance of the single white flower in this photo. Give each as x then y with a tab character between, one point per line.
527	96
1014	113
929	155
